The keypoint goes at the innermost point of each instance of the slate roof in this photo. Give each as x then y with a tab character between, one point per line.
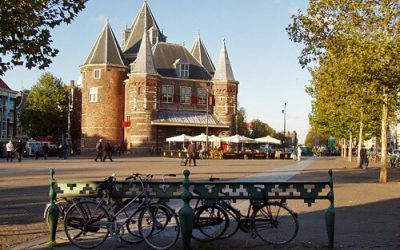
3	85
199	51
174	118
224	69
143	19
144	61
106	49
166	54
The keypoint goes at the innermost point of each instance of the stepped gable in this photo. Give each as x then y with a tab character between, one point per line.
224	70
143	19
167	54
199	51
106	49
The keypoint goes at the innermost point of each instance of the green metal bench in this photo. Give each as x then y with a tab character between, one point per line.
306	191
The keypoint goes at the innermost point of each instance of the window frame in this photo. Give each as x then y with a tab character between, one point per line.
167	96
185	98
183	70
94	74
93	95
201	98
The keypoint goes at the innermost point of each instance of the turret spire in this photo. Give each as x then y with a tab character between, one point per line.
224	69
106	49
144	62
199	51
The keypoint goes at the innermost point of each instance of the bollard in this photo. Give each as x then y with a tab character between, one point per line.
53	212
186	213
330	213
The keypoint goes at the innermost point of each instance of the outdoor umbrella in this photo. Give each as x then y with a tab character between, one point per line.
238	139
179	138
201	137
268	139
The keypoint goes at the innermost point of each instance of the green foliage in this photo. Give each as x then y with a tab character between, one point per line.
47	108
261	129
241	121
314	139
25	30
356	47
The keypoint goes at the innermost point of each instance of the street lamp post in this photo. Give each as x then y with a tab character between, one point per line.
284	122
207	120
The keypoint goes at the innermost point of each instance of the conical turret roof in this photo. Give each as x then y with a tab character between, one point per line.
199	51
144	61
144	20
224	69
106	49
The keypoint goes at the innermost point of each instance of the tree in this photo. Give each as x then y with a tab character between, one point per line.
241	122
46	112
367	33
25	30
261	129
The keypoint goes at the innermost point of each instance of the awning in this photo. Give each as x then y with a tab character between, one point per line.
189	119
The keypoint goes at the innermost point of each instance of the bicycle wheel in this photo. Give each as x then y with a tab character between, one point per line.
210	222
275	223
86	224
130	214
233	223
159	226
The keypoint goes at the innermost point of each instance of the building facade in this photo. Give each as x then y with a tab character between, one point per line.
7	112
146	89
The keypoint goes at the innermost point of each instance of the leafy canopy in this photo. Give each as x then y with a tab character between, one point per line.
25	30
46	112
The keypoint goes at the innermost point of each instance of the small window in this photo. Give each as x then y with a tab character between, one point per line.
186	93
139	90
183	70
93	95
128	118
201	96
154	36
167	93
83	75
97	74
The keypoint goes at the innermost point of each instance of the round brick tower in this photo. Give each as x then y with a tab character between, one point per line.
103	75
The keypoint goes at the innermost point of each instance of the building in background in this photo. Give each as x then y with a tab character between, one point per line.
7	112
140	92
21	102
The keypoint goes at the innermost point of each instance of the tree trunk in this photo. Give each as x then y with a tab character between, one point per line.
344	148
360	140
350	148
383	173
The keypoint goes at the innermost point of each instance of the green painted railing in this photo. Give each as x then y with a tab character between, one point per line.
309	192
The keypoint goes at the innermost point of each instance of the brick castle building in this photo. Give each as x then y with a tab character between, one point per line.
146	89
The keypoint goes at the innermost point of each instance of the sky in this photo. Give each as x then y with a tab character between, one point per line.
263	59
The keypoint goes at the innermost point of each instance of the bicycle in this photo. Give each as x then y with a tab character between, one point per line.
273	221
88	223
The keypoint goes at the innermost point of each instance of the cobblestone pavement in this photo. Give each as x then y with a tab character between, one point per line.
366	211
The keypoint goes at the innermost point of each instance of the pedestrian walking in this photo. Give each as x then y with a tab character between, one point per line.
60	150
35	149
10	151
107	151
20	149
298	153
45	150
99	149
192	153
65	150
363	157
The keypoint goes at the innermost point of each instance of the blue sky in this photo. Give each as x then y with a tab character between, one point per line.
263	59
